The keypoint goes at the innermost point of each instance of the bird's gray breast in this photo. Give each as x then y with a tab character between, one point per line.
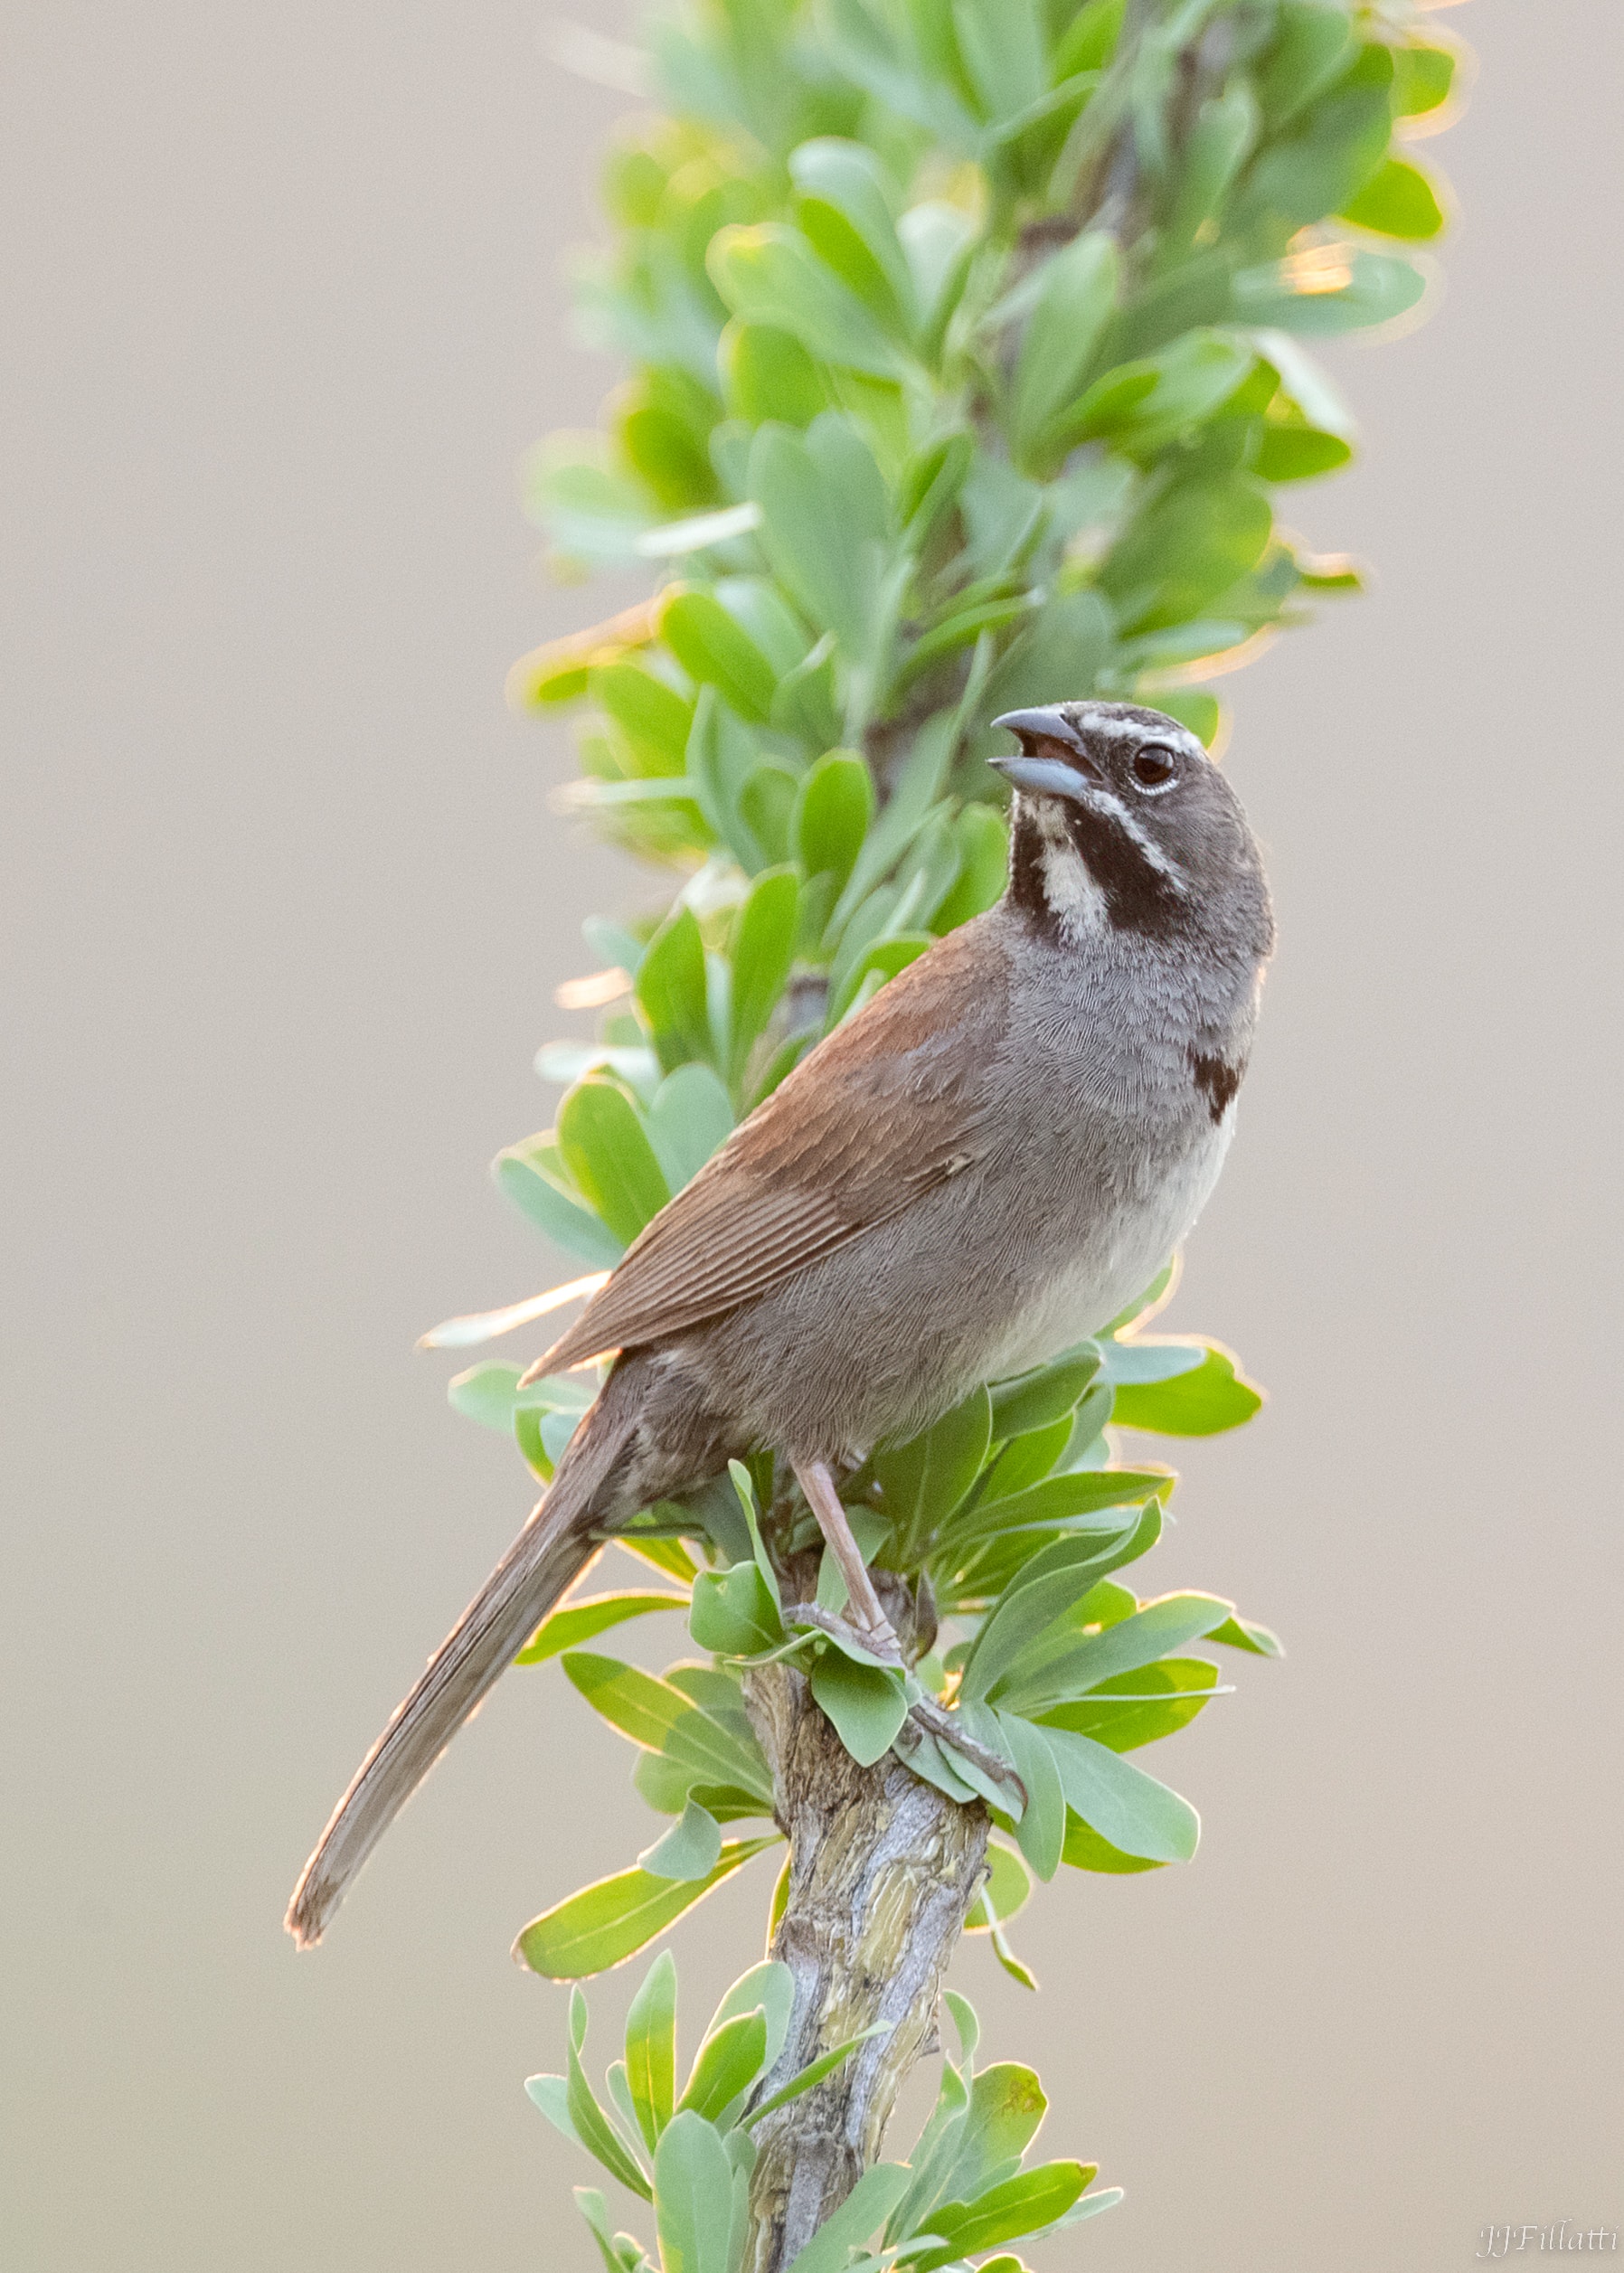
1117	1110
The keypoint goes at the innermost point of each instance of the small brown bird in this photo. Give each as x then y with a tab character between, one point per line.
978	1170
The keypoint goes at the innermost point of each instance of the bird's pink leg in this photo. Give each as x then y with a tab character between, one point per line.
874	1629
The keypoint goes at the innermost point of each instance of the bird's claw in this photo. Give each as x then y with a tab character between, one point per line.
882	1645
949	1730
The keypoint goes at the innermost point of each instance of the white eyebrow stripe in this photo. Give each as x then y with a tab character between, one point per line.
1135	730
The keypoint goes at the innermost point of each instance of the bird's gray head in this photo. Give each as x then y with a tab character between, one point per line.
1122	820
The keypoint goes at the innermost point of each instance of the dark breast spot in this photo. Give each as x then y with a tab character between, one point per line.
1218	1079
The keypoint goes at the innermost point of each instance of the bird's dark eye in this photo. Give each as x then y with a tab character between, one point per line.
1154	767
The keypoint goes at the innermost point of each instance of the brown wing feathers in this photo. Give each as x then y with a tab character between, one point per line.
837	1148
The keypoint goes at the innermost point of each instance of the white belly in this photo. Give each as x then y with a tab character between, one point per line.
1120	1257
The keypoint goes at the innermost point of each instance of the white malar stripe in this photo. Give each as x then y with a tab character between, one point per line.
1069	886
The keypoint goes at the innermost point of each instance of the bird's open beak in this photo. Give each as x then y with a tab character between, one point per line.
1051	762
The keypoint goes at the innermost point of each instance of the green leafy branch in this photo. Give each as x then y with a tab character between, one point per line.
966	2188
970	355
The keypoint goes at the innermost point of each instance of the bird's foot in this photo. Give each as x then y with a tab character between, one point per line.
949	1730
874	1629
884	1645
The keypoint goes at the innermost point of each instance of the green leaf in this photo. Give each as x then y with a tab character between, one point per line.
983	839
1064	1660
521	1178
1289	452
1144	406
1330	288
768	274
844	209
1003	46
713	648
671	988
1138	1707
1005	1892
1075	294
822	523
693	2194
591	515
768	1987
940	241
1085	1850
1089	40
939	2142
744	1491
1327	154
733	1613
1157	1357
869	2203
1031	1400
806	706
656	1715
1312	47
1041	1830
763	946
653	717
1054	1583
690	1119
1423	79
689	1850
1198	1402
1224	134
925	1479
872	967
766	803
866	1704
651	2048
611	1920
1023	2204
577	1622
1062	1499
603	1144
1238	1633
834	807
1130	1809
805	2079
1189	547
550	2094
485	1393
728	2063
723	760
593	2127
766	374
1006	2106
620	2253
1398	201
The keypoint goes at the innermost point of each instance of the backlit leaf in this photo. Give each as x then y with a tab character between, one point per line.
612	1919
577	1622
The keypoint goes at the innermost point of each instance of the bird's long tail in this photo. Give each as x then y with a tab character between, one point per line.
545	1559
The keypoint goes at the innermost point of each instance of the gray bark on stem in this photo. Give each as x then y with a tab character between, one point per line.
883	1869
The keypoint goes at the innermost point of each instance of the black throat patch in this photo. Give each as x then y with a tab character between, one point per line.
1026	870
1138	896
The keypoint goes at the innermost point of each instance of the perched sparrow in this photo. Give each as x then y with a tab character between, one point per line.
978	1171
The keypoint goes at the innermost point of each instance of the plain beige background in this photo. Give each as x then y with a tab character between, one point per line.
283	908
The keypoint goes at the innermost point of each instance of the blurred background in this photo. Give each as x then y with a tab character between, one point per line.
283	908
